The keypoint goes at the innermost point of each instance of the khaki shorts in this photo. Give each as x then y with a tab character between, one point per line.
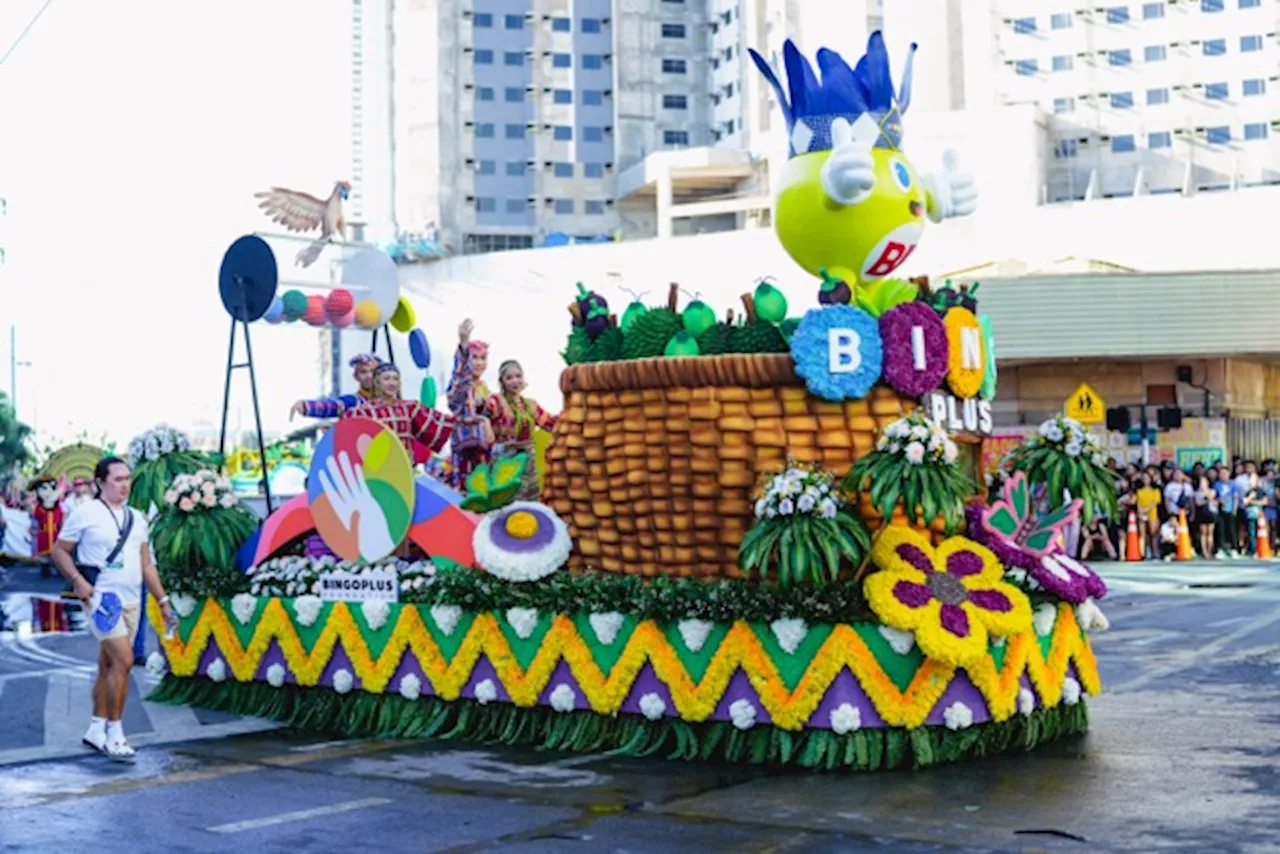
125	627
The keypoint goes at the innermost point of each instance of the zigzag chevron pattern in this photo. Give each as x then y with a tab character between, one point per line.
695	698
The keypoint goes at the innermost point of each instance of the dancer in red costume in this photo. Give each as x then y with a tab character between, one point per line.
408	419
362	368
47	517
514	419
468	400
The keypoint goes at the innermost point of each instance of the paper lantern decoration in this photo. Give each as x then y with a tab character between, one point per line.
338	302
314	314
275	311
345	320
427	394
367	315
295	305
419	350
404	317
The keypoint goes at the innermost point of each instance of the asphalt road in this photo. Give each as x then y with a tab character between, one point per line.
1184	755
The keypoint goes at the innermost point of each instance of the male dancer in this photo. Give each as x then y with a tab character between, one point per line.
362	369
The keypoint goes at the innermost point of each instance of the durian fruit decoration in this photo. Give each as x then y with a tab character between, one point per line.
697	317
682	344
651	331
634	310
715	341
771	304
833	291
756	335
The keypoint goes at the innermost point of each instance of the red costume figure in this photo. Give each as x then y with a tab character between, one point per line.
47	516
362	368
514	419
468	399
408	419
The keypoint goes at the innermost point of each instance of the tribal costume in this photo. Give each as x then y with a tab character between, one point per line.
336	407
468	398
47	516
514	420
408	419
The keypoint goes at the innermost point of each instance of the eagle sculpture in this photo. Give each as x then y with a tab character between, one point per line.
304	212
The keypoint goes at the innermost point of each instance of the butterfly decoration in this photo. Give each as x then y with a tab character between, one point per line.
1011	518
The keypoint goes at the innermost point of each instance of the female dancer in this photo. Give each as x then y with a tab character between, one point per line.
514	419
468	397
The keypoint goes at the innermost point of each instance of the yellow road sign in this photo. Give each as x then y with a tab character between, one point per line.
1086	405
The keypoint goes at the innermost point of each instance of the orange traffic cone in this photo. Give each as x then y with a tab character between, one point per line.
1133	545
1263	547
1184	537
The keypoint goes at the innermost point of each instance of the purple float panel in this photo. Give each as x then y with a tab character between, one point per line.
739	688
274	655
409	665
562	675
339	661
961	690
845	689
482	671
211	652
647	682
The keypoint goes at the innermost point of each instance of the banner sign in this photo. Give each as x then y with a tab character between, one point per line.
378	585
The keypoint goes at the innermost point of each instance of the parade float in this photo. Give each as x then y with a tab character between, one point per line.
758	538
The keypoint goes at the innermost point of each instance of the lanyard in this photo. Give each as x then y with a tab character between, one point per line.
119	525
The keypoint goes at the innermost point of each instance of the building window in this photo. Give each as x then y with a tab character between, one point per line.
728	90
1215	47
1062	63
1218	135
590	25
560	25
1026	67
673	66
1120	57
561	60
484	93
562	170
1250	44
673	1
1121	100
675	102
1255	130
673	31
1154	53
1118	15
515	168
486	205
592	61
592	97
1216	91
1250	4
592	134
1160	139
485	167
1210	5
514	131
1064	105
1155	97
482	20
478	243
514	22
1066	148
1024	25
562	133
484	57
513	57
514	95
593	170
515	206
1123	143
563	206
593	207
1060	21
1254	86
1152	10
484	130
675	137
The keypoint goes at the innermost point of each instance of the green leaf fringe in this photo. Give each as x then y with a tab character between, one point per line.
390	715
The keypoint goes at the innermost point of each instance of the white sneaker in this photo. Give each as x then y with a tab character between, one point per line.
120	751
95	739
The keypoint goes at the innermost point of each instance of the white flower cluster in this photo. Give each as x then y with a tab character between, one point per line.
298	575
156	442
205	489
799	491
918	439
1070	437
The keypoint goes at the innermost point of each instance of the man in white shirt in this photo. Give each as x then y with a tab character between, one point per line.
108	536
1178	494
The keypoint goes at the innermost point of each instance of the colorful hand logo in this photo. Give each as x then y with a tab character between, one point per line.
348	493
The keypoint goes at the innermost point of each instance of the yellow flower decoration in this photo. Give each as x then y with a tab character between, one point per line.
966	356
951	598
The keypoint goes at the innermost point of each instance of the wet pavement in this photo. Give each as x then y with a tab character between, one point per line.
1183	755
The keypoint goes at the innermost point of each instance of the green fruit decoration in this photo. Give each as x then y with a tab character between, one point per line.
633	311
607	347
575	351
715	341
834	291
698	317
682	344
771	304
756	335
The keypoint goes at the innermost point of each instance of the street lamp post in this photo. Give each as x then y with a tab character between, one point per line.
14	364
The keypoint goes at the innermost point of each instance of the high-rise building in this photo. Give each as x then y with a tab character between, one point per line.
504	124
1175	96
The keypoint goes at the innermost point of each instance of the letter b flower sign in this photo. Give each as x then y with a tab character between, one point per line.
838	352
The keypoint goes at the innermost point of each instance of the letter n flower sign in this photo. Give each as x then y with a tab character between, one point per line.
838	352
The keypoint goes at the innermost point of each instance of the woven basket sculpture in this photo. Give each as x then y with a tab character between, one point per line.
654	461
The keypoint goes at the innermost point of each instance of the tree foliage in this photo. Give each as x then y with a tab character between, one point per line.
14	438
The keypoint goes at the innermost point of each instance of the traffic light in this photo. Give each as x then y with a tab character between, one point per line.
1169	418
1119	419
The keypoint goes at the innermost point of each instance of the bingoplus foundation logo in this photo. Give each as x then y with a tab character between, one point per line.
368	586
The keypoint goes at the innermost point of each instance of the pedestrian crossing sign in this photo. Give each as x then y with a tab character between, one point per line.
1086	405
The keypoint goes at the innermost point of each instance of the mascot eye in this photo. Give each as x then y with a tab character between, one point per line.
901	174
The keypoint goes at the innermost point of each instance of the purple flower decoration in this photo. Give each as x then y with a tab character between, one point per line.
896	332
1006	552
1067	578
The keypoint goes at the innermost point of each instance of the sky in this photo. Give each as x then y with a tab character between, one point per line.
135	133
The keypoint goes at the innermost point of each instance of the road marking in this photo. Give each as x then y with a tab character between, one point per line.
1185	660
324	745
298	815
